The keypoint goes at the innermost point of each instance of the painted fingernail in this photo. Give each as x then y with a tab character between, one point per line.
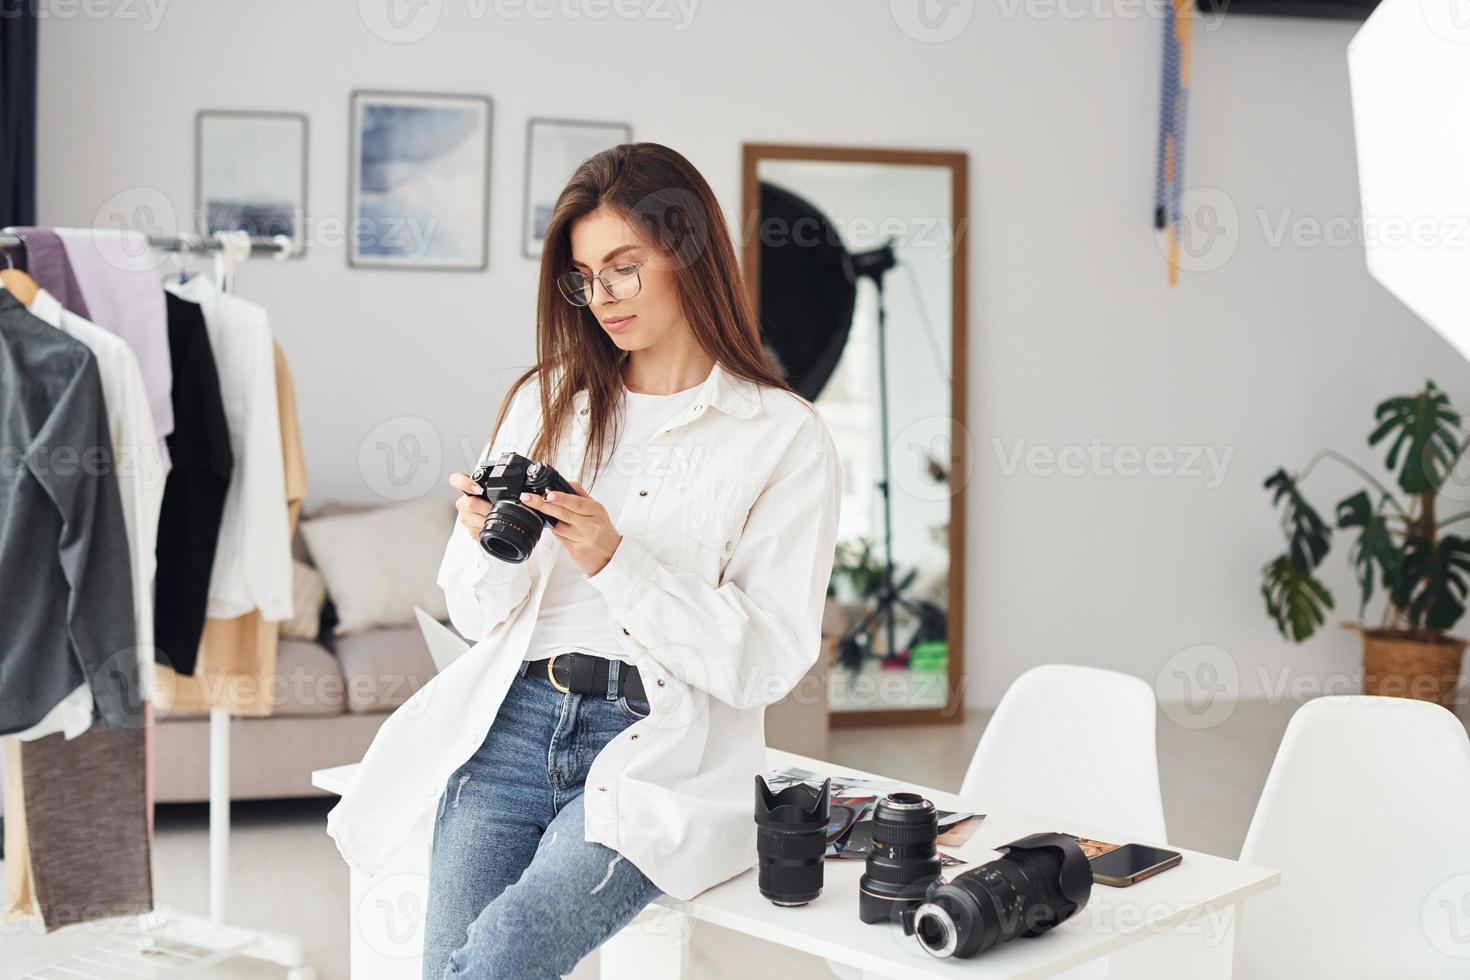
551	495
525	495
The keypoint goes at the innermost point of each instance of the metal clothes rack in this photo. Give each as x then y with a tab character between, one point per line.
168	942
280	246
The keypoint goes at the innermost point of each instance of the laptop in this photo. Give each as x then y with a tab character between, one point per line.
445	645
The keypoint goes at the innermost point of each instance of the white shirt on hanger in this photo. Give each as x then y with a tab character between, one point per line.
140	472
252	558
715	593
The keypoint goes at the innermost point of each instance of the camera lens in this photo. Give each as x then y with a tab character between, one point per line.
935	929
1044	879
790	841
511	531
903	859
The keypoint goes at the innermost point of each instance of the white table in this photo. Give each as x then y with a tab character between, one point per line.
1178	924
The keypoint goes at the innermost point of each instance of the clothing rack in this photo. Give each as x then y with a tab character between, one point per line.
279	246
169	942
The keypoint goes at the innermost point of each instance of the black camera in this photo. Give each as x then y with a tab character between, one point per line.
512	529
903	858
1044	879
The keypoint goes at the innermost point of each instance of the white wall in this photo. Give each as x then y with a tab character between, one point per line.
1074	336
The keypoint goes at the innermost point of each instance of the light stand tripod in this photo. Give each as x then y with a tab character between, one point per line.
853	646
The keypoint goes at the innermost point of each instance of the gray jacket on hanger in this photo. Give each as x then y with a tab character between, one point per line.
66	589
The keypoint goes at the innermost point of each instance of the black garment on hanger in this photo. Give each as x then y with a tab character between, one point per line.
194	495
66	578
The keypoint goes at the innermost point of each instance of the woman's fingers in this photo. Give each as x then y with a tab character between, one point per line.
548	507
472	511
471	524
474	506
563	506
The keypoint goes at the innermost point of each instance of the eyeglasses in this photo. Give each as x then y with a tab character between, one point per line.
624	283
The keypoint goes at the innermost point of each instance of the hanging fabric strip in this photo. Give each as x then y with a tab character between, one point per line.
1168	90
1173	115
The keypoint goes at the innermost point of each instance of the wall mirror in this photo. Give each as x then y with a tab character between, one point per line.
856	259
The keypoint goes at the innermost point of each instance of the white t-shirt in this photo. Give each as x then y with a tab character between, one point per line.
573	614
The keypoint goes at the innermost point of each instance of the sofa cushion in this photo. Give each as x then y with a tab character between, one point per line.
307	681
383	667
378	564
308	596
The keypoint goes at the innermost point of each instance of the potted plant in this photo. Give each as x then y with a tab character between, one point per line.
856	562
1398	545
856	573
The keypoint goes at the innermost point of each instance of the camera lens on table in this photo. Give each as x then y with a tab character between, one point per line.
1042	880
791	841
903	859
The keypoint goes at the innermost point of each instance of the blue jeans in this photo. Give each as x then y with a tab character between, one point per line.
514	890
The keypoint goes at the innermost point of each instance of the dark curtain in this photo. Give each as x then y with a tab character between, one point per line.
17	112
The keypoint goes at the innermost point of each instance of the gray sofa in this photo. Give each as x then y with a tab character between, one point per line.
335	692
274	757
334	695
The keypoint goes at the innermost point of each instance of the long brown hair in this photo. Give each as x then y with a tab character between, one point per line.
660	193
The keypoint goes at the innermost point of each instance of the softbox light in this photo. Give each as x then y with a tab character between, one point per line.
1409	67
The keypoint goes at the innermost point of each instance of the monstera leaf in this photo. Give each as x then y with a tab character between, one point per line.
1426	439
1375	549
1296	601
1397	543
1306	533
1436	577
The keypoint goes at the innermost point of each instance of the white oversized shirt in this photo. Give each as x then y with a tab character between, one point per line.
716	593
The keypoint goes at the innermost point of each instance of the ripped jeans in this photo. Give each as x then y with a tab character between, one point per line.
514	890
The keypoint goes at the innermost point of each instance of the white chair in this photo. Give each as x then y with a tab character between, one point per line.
1076	743
1365	815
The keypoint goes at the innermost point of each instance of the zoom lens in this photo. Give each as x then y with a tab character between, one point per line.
1043	879
791	841
903	860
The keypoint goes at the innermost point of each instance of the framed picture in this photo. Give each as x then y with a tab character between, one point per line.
554	148
419	194
250	173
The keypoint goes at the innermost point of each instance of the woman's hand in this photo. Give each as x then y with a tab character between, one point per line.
472	509
582	525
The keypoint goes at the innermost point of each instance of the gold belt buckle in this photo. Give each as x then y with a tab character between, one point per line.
551	675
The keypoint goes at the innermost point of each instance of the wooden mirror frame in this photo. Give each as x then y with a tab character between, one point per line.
960	464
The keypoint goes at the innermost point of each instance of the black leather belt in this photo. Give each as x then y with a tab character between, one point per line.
586	673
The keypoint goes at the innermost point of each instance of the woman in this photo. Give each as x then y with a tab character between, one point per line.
596	747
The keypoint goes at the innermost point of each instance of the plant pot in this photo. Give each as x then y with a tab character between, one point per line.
1400	666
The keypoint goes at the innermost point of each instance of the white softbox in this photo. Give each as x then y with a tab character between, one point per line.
1410	72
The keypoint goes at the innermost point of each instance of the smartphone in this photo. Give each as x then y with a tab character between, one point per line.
1131	863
